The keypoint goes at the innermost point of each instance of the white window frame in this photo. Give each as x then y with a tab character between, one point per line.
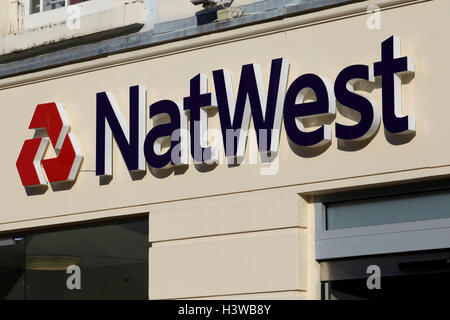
60	15
379	239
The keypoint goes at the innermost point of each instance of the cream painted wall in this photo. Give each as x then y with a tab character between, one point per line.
232	232
327	55
4	17
174	9
256	245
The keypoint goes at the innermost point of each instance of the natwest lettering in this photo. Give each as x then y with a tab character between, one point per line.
308	106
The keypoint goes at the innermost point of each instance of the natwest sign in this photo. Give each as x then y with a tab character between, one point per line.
310	100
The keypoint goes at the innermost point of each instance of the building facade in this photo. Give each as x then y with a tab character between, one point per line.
342	186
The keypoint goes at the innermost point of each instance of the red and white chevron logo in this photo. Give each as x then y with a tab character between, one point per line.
50	123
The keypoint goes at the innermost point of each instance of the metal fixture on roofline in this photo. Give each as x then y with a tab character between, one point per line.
209	4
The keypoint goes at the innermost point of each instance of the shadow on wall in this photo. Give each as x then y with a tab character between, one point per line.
309	152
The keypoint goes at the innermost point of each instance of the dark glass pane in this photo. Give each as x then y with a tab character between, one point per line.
35	6
53	4
77	1
113	260
11	269
408	275
429	286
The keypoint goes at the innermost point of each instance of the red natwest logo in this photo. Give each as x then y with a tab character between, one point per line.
50	124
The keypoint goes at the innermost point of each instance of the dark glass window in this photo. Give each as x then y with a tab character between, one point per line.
408	275
12	272
47	5
72	2
99	261
53	4
35	6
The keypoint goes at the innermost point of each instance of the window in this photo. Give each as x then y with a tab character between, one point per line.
112	258
37	6
401	276
396	236
44	12
387	210
382	221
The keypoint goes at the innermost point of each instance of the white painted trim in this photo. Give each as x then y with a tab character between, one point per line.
62	14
